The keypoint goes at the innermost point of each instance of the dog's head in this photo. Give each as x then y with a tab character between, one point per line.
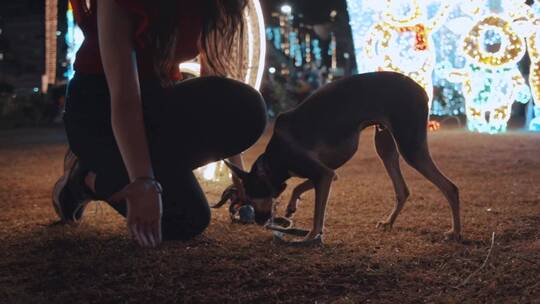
261	190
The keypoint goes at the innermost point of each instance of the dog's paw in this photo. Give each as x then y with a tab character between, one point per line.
280	239
290	212
310	241
384	226
453	236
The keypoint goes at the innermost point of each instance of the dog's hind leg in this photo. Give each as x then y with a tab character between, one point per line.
386	148
414	149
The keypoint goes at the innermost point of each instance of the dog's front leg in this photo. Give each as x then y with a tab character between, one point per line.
322	191
296	195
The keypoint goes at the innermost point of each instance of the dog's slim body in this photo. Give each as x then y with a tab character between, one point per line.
322	134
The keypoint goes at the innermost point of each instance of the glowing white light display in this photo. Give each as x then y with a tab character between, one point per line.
286	9
491	79
74	40
472	58
398	37
533	43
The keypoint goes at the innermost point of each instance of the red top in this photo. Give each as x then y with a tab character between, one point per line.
88	60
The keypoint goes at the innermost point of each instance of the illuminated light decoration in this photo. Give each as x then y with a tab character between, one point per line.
398	37
253	67
491	80
74	39
295	49
216	172
450	99
248	69
286	19
363	14
387	37
471	7
307	46
421	43
496	33
277	38
288	40
298	59
51	27
192	68
286	9
317	52
434	125
332	51
533	43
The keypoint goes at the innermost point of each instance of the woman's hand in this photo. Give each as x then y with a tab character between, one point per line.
143	198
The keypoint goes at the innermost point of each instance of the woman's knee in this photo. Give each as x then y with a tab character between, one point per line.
223	101
251	102
230	115
248	116
241	99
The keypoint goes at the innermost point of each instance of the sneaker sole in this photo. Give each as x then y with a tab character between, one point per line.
69	162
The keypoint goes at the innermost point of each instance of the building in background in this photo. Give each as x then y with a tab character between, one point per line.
22	37
22	44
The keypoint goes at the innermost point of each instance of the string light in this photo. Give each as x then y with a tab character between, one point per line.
493	43
317	52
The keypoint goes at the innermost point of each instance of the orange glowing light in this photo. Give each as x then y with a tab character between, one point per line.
433	125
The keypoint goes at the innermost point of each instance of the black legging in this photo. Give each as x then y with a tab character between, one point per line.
191	124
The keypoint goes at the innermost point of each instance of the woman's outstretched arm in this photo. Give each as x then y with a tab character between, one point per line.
115	31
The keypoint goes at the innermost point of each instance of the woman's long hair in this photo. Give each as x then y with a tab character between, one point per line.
222	22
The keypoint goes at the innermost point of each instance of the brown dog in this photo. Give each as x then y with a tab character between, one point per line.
322	134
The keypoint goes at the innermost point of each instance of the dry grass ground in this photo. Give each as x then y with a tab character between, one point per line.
499	177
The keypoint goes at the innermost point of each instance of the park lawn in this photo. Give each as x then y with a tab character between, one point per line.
499	180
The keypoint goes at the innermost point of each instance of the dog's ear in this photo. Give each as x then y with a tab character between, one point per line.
241	174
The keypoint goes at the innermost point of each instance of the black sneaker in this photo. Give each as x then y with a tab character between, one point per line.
70	195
